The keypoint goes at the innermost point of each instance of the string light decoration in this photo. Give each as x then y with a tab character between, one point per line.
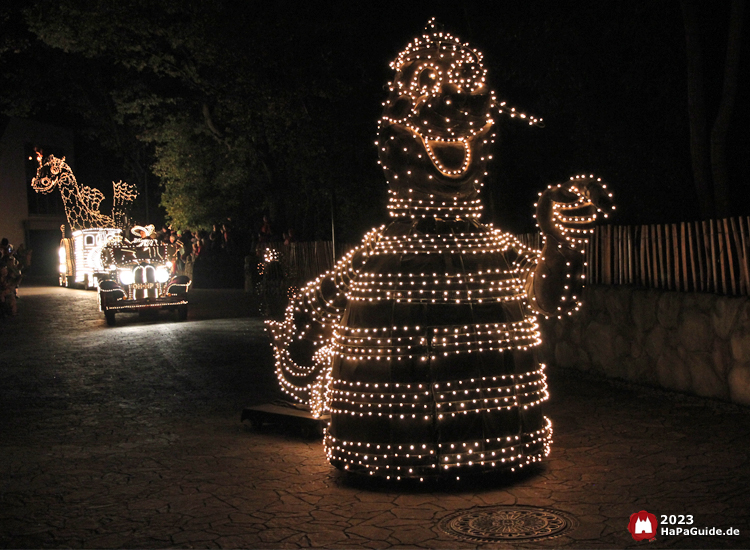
81	202
138	276
90	228
420	342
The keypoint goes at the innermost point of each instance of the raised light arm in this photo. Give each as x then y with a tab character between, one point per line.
566	214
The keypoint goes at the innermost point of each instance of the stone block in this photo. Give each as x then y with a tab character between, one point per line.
617	302
655	341
559	328
593	297
739	384
643	370
601	317
668	309
699	301
599	343
576	332
673	373
740	345
643	309
721	356
568	355
695	330
705	382
724	314
621	344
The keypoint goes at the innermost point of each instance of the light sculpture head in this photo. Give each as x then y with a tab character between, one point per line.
47	173
435	132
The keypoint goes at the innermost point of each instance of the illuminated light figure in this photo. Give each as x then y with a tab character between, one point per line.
420	342
81	202
91	230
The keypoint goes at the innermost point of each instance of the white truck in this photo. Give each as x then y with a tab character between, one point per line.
80	256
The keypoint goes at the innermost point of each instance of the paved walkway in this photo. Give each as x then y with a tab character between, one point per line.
131	437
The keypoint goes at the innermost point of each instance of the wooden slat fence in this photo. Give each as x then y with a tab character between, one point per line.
703	256
304	261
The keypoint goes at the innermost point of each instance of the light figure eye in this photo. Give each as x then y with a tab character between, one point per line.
427	78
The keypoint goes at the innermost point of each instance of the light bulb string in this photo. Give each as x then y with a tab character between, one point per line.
507	111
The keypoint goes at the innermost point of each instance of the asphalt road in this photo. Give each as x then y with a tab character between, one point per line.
130	436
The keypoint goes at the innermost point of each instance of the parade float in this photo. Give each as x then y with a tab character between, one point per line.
139	277
90	229
419	344
130	275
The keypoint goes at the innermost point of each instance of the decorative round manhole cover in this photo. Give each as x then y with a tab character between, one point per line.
506	523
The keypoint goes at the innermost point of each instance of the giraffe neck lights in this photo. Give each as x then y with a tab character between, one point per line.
81	202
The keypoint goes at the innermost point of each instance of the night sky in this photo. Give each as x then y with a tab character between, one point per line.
608	78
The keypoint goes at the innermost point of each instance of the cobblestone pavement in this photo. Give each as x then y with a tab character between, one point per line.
131	437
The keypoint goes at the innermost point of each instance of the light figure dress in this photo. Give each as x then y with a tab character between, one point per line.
420	342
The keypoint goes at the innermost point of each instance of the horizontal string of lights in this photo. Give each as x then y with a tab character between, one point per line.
457	397
382	403
428	207
526	399
446	406
372	283
437	341
482	276
479	338
426	459
483	242
123	307
401	387
366	293
490	452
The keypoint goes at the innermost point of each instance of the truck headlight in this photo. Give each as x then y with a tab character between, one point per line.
162	274
126	277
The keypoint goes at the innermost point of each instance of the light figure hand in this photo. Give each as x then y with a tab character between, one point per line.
567	212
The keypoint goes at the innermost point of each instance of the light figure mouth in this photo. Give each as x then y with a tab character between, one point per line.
43	185
451	157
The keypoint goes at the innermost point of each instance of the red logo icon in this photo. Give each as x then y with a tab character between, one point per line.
642	526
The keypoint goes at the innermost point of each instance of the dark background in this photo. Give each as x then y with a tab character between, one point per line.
608	78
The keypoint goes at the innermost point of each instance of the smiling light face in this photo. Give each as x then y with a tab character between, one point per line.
45	178
435	132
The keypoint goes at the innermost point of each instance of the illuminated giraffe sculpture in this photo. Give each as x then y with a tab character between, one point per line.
81	202
420	342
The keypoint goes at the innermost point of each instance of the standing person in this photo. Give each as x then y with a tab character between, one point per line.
174	247
265	233
10	275
23	260
227	242
289	236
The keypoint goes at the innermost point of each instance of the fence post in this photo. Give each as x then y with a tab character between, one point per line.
743	257
643	255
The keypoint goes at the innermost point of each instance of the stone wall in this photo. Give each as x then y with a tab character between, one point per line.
690	342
